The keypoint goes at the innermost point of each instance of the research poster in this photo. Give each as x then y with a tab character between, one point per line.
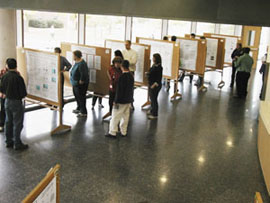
188	54
42	74
48	195
211	54
165	50
140	49
230	45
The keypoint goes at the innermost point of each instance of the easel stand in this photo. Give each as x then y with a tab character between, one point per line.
148	102
221	84
61	127
176	94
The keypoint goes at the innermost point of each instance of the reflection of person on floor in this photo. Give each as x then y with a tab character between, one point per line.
130	55
122	102
154	81
236	53
114	73
243	66
182	77
94	101
79	79
262	71
14	90
2	100
64	66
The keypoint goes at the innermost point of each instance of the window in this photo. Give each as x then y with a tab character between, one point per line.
227	29
46	30
146	27
100	27
205	28
179	28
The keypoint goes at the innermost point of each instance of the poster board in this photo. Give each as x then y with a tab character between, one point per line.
169	52
41	73
215	52
230	45
192	55
47	190
143	62
98	60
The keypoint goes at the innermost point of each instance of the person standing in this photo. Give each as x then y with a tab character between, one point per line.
154	81
2	100
64	66
236	53
79	79
114	74
244	66
119	54
130	55
262	71
122	102
94	101
13	89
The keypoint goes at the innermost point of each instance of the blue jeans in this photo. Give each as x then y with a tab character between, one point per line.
14	121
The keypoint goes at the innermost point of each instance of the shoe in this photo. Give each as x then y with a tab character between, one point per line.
151	117
76	111
1	129
123	135
82	115
149	113
10	145
110	136
21	147
101	106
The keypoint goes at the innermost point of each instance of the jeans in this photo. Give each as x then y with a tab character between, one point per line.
14	121
153	93
242	83
111	100
2	112
79	92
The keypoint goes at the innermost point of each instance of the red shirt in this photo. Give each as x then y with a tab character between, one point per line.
3	72
115	73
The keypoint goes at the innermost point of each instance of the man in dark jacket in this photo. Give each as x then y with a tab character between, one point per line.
14	90
122	102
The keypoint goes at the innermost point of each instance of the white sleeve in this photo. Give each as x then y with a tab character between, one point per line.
133	58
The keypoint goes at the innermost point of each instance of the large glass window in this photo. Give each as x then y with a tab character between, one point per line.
146	27
179	28
205	28
227	29
46	30
100	27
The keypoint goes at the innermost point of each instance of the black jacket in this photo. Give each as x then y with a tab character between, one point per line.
155	75
125	88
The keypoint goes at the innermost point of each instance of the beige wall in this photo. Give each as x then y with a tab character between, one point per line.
7	35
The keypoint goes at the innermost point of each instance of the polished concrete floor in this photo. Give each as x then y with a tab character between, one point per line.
202	148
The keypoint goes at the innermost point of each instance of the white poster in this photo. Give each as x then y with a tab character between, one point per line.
211	54
188	54
98	62
42	74
230	45
90	61
165	50
69	56
92	75
113	45
48	195
84	50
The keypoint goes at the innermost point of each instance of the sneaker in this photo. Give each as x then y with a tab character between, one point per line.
151	117
101	106
76	111
82	115
110	136
21	147
10	145
122	135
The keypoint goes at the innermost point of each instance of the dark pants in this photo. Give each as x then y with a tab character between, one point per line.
14	121
94	100
153	93
79	92
233	75
183	76
262	85
62	88
242	83
111	100
2	113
